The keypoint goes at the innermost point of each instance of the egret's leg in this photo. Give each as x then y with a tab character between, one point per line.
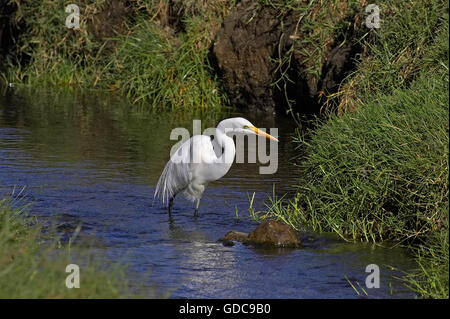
196	208
170	208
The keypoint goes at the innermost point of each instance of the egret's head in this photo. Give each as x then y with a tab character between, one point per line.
240	125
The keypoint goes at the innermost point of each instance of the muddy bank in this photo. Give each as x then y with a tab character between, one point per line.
264	59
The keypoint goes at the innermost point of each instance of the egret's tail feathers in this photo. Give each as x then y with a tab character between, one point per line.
173	179
162	191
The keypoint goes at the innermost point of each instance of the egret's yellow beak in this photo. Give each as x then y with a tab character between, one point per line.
262	133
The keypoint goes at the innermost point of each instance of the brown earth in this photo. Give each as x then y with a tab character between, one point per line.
244	52
116	14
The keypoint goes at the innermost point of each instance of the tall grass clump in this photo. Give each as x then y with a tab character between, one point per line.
33	262
49	53
381	173
431	279
171	72
412	38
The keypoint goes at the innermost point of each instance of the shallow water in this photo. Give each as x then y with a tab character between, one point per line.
86	158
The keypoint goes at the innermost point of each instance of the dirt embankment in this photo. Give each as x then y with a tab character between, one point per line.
260	56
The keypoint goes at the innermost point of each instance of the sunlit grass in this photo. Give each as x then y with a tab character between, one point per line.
33	261
171	74
378	169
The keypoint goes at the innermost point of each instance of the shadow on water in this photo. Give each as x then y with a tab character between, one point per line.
86	158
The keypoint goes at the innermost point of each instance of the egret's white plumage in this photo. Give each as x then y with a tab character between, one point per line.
201	160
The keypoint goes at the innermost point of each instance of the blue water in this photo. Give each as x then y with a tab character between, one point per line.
89	159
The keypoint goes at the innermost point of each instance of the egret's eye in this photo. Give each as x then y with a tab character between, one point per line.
245	127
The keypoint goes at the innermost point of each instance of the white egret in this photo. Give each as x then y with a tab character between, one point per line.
201	160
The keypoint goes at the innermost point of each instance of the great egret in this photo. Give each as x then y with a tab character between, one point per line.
201	160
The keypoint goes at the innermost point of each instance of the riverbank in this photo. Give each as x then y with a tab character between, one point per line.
34	257
152	52
378	171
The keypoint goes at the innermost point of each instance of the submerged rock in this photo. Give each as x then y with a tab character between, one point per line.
270	233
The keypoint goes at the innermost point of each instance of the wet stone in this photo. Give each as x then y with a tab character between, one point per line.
274	234
270	233
233	236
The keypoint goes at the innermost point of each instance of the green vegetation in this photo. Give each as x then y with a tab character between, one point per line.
152	69
33	262
378	169
381	173
136	50
431	279
412	40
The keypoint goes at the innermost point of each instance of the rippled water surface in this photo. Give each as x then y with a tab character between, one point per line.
88	159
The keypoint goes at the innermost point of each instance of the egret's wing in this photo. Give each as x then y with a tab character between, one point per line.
176	174
181	167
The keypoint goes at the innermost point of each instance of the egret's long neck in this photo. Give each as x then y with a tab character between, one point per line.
226	143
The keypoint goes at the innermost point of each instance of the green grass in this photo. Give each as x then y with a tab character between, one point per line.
376	166
149	67
431	279
412	38
33	262
146	60
381	173
375	169
58	56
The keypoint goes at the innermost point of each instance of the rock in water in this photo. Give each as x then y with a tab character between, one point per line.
235	236
232	236
268	234
272	233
